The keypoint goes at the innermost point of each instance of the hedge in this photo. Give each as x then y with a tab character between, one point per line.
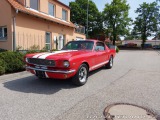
2	50
11	62
2	67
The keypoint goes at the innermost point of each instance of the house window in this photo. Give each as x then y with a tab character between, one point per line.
3	33
51	9
48	40
34	4
64	15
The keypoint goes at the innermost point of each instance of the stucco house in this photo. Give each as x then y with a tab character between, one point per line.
43	23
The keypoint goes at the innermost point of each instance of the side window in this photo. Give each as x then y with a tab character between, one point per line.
34	4
100	46
51	9
48	40
3	33
64	15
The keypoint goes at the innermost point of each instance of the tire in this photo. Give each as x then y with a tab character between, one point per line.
109	65
81	76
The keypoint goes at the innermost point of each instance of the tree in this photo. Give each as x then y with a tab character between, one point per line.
116	18
147	21
129	37
157	36
79	16
132	36
158	32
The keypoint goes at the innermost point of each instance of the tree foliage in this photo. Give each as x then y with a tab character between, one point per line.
116	18
129	37
79	16
147	21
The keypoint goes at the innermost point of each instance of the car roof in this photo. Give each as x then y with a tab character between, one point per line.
90	40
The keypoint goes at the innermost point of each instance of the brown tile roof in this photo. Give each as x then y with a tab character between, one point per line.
23	9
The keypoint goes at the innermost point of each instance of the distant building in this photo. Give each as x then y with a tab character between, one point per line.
43	23
139	42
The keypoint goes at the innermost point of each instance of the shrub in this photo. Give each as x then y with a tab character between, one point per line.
2	50
35	51
2	67
34	47
54	50
117	49
31	51
19	48
13	61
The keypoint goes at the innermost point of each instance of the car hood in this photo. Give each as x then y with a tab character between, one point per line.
63	54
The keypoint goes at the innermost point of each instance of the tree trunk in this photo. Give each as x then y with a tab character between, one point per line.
144	37
143	42
114	39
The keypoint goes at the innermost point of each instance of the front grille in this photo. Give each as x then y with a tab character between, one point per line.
42	62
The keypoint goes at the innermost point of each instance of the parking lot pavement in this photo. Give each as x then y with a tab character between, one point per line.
134	79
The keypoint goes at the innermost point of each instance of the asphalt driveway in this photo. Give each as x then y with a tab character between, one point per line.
134	79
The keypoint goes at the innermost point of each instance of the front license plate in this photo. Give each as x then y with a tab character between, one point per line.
40	74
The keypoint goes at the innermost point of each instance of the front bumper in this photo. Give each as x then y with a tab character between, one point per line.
57	74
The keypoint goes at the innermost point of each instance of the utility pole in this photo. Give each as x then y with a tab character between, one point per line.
87	16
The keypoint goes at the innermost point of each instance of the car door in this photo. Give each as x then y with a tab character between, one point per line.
100	53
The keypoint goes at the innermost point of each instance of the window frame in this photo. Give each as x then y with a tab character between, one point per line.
38	5
46	43
75	45
4	38
66	15
99	48
49	9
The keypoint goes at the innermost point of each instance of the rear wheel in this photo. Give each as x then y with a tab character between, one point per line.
109	65
81	76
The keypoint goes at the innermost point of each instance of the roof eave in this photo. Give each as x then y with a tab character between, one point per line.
46	19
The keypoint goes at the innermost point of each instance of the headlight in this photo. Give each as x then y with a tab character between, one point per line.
66	64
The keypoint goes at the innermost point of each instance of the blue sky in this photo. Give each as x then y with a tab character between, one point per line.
134	4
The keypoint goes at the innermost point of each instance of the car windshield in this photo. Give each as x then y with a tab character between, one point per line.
79	45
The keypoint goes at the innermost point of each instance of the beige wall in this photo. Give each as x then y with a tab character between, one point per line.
58	8
31	31
44	6
6	20
27	3
58	12
78	35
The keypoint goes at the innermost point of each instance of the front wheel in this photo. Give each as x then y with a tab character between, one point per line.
109	65
81	76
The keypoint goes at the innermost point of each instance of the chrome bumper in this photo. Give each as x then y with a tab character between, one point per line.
52	71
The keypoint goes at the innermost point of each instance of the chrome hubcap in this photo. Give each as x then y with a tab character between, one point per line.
82	74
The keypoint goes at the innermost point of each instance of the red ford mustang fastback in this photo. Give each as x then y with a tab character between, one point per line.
74	61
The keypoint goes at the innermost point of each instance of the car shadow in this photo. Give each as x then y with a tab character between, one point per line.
32	84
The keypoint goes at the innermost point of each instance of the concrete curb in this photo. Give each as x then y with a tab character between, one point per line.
14	75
